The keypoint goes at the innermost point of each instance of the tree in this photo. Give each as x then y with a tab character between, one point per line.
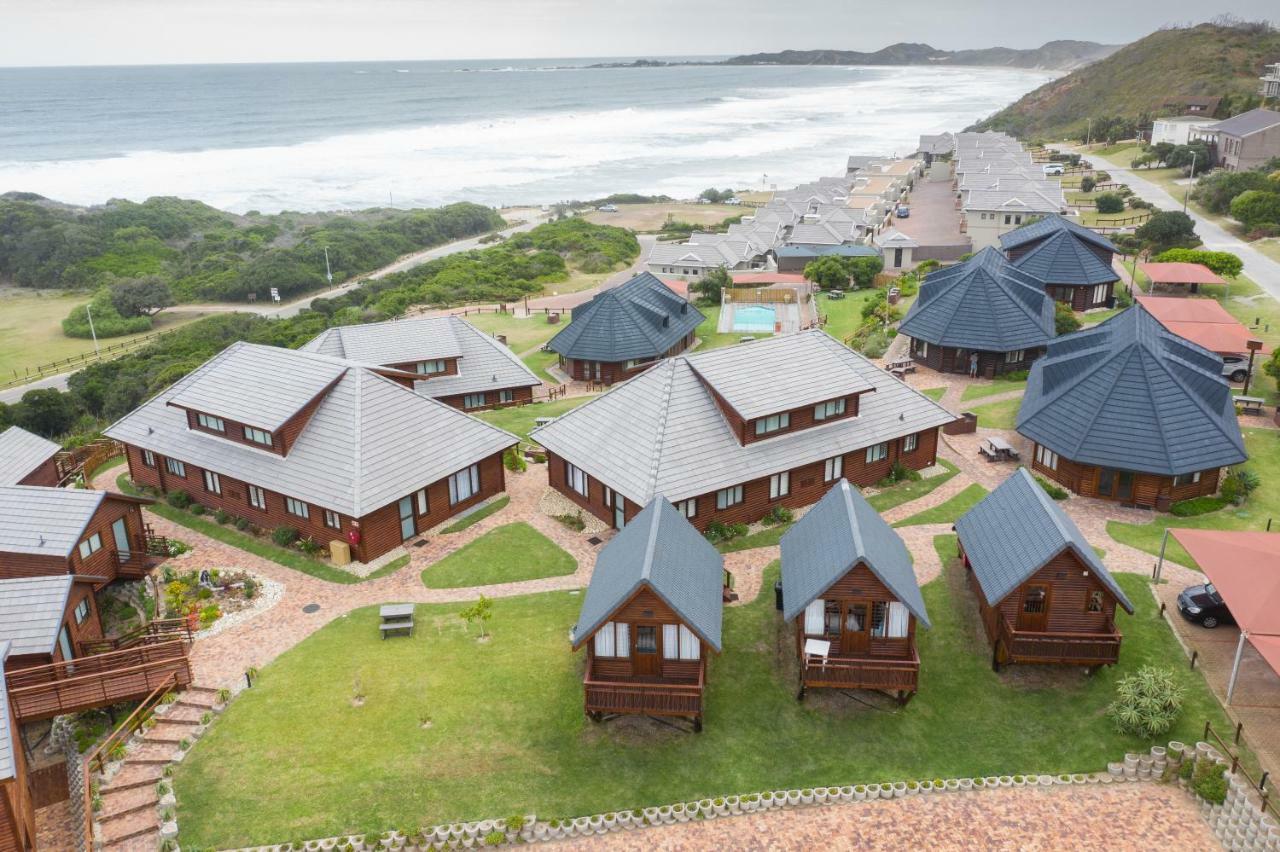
481	611
708	287
48	412
1183	156
1168	229
829	272
141	297
865	269
1256	207
1087	183
1216	191
715	196
1109	202
1064	319
1220	262
1161	151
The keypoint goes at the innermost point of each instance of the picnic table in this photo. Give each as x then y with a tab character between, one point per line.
906	365
396	617
996	449
1250	404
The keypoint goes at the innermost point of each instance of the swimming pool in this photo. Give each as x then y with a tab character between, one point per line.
757	318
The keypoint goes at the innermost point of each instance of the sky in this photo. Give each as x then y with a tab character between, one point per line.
143	32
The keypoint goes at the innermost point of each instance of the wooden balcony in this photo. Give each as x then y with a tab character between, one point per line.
1080	649
888	674
153	632
646	697
42	692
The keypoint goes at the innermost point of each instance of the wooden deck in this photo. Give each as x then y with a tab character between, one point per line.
889	674
1081	649
605	696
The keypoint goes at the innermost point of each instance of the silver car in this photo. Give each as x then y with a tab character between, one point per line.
1235	367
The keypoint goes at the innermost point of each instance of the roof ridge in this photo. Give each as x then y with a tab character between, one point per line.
855	532
1097	411
656	462
357	445
651	543
1199	401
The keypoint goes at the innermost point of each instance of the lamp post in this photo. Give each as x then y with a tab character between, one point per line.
1253	346
1187	193
89	313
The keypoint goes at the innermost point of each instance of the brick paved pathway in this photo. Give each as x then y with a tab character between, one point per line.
1094	817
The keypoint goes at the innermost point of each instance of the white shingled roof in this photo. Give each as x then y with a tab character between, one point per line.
369	442
7	768
663	433
22	452
31	610
44	521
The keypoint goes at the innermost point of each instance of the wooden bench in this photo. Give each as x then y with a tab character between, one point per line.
1250	404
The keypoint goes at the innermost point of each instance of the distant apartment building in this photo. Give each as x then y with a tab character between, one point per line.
1269	87
1176	130
1244	141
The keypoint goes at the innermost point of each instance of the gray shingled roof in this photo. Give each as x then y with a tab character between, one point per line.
22	452
1246	123
1023	200
811	250
642	318
984	303
663	433
1130	394
658	548
840	531
370	441
1063	259
1042	228
1015	531
31	610
44	521
7	768
483	363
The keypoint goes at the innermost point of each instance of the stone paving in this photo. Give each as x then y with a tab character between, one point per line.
1094	817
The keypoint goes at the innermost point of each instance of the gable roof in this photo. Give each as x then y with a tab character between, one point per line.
1050	225
811	250
1130	394
21	452
7	768
893	238
369	442
639	319
1014	532
483	362
1063	259
45	521
984	303
662	431
1022	200
1204	322
1246	123
661	550
840	531
31	610
1180	272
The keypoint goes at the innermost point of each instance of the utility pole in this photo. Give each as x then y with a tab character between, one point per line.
328	273
1187	194
89	313
1089	137
1254	346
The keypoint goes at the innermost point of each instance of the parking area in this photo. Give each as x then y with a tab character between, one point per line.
934	222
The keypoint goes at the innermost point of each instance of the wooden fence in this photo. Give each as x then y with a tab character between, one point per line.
75	362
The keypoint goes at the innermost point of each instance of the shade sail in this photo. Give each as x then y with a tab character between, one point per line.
1180	273
1244	566
1203	322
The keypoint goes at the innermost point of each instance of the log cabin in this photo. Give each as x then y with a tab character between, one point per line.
985	309
1129	411
17	813
28	459
730	434
47	619
333	449
1044	595
625	330
455	362
1073	261
651	615
849	587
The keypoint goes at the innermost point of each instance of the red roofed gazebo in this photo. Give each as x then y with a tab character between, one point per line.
1202	321
1188	275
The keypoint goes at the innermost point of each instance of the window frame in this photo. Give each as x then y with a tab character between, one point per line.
332	520
910	443
175	467
258	437
472	474
90	545
506	395
1046	457
688	509
772	423
212	482
830	409
727	498
572	475
148	458
780	485
291	506
256	496
81	612
468	400
210	423
833	469
438	366
877	452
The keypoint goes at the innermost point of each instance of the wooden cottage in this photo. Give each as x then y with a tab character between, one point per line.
1043	594
982	313
651	616
625	330
1073	262
17	813
849	587
1129	411
28	459
47	619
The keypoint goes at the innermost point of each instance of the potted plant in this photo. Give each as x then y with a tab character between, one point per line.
873	791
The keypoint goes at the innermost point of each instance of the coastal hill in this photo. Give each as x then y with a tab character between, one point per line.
1136	82
1055	55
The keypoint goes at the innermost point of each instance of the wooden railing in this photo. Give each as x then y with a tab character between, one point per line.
152	633
883	673
1089	649
1259	786
654	699
42	692
766	296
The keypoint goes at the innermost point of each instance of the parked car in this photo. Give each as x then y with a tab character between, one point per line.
1052	169
734	202
904	211
608	208
1204	606
1235	367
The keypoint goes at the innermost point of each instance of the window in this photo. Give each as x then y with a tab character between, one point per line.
1094	602
813	617
639	362
613	640
464	484
922	348
90	546
473	400
332	520
426	367
175	467
1186	479
212	483
1046	457
646	639
1099	294
910	443
833	408
297	507
208	421
608	496
423	507
1007	219
257	436
1034	600
680	643
833	469
688	508
257	499
779	485
1015	356
82	610
505	396
576	479
879	452
148	458
773	423
727	497
879	621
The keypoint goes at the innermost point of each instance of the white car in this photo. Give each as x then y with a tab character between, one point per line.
1052	168
734	202
608	208
1235	367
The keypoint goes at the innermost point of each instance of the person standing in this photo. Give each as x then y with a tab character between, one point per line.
973	365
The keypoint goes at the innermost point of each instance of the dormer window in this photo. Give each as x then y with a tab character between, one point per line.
831	408
213	424
257	436
427	367
773	423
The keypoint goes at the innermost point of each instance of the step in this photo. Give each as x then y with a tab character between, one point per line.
153	753
118	804
169	732
135	831
135	775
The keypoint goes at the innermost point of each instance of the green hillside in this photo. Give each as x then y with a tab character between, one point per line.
1137	81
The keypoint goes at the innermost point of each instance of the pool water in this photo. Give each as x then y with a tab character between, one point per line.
757	318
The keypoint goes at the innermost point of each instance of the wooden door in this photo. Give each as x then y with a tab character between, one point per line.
855	633
645	661
619	511
1034	613
1124	486
120	532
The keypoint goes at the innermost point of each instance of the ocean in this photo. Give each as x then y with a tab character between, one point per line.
327	136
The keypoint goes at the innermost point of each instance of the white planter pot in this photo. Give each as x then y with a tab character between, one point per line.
793	797
582	825
666	815
860	794
1018	781
873	792
846	794
652	816
899	789
168	800
539	831
821	796
722	810
1079	778
1131	760
1046	780
611	821
926	786
966	783
767	801
952	784
734	804
681	815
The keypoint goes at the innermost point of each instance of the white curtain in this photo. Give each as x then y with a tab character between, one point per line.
690	648
671	641
623	639
604	641
899	621
814	618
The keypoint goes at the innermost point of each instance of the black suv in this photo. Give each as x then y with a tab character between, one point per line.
1204	606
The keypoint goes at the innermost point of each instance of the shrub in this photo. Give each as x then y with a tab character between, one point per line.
718	531
242	524
573	521
222	516
1198	506
899	472
778	515
1123	298
309	546
178	499
1147	703
1208	782
209	614
1239	484
1052	490
1087	184
1256	207
1109	202
495	838
1064	319
250	588
284	535
513	460
196	509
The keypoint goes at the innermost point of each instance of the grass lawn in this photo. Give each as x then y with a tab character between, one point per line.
998	415
844	316
1263	446
934	394
948	512
454	729
651	218
712	339
477	516
1098	316
522	334
519	419
999	385
1269	247
578	281
506	554
539	361
390	568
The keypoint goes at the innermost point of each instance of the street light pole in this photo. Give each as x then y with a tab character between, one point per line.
89	313
1089	137
1187	193
1254	346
